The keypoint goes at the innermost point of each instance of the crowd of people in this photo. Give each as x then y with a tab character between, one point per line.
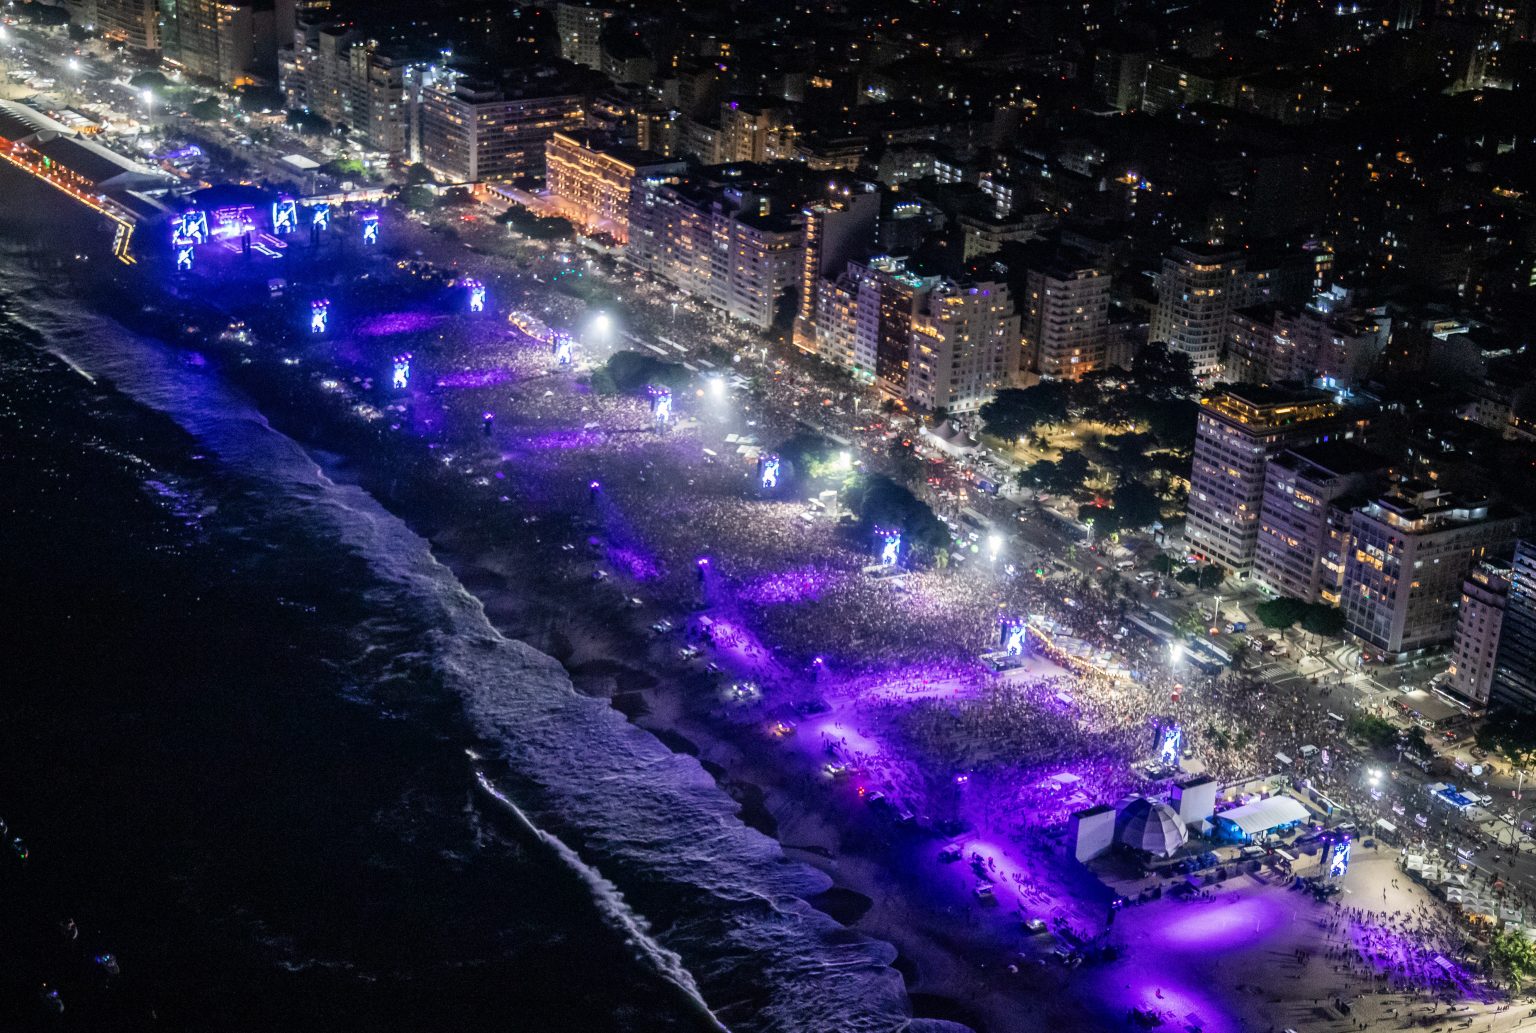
894	657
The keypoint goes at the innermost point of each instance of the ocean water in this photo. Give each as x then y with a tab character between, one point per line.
269	752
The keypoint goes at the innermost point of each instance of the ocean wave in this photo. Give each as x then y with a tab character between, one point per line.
724	914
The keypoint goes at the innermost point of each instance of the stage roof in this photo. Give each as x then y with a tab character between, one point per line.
1263	815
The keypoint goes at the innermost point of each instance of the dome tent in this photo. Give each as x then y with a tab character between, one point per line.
1151	827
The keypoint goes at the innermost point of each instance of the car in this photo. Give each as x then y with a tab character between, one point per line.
1035	925
986	896
949	855
662	626
688	652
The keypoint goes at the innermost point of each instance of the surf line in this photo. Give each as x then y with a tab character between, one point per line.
665	962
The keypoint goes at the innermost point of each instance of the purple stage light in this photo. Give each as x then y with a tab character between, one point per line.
234	220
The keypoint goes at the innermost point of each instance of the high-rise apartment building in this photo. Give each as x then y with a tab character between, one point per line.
1304	518
1066	313
473	131
212	39
965	341
133	23
1239	431
1196	293
592	179
725	247
864	320
1273	343
1479	621
346	79
1514	671
756	129
1410	551
580	27
839	227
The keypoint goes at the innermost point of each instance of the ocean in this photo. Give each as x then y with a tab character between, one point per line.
270	753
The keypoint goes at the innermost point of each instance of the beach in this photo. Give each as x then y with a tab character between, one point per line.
577	526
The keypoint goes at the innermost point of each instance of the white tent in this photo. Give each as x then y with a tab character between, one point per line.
1256	818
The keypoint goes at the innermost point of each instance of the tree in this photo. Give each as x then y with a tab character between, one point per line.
1162	563
1104	519
1136	504
537	227
418	197
306	121
1015	412
1159	371
205	110
1281	613
881	502
1191	622
149	81
1513	954
1376	731
344	168
1072	471
419	174
1210	576
1060	477
1188	576
629	372
1512	735
1127	455
260	98
1324	620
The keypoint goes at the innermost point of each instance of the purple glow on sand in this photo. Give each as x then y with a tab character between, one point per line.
559	440
632	563
391	323
790	586
474	378
1221	924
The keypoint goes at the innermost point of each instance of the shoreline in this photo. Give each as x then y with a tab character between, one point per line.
950	963
518	615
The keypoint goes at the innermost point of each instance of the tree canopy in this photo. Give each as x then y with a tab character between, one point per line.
1159	371
881	502
1059	477
628	372
1315	618
1281	613
1511	734
1136	504
1015	412
1323	620
1513	954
